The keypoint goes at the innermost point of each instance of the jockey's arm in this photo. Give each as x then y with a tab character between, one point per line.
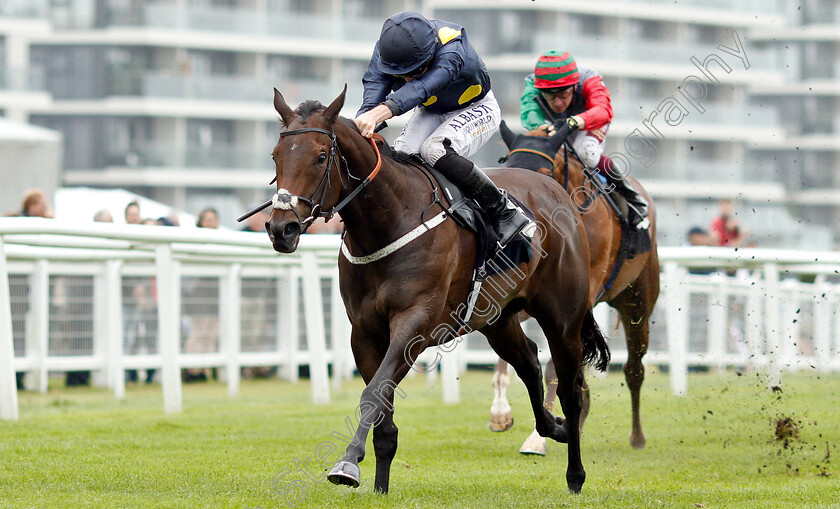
598	108
367	121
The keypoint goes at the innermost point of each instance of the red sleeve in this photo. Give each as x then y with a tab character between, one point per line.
598	108
718	230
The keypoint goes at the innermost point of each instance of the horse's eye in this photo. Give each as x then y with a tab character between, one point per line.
322	158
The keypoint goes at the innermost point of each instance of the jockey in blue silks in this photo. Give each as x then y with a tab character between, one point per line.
429	66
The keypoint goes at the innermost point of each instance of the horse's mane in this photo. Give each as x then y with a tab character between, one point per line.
384	148
305	109
310	106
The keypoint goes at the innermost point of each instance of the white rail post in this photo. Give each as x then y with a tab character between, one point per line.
449	370
790	337
232	315
822	323
342	355
39	333
8	382
313	313
114	326
754	322
169	330
772	324
677	312
288	332
718	332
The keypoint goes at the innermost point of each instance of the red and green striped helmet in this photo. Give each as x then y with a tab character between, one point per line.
555	69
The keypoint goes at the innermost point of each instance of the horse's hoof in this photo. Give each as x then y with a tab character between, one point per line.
575	482
638	441
500	422
345	473
534	444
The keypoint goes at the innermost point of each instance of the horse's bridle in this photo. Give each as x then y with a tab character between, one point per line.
284	200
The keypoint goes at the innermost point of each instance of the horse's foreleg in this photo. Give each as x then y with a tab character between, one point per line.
501	415
376	403
385	447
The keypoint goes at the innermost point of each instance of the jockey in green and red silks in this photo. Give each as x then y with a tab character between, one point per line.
429	67
577	94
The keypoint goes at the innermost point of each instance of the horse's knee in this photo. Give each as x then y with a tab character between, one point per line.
634	373
433	149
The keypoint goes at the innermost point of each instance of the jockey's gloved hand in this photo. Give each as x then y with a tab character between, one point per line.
573	123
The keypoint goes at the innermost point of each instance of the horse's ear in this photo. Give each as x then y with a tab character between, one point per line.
335	107
286	113
507	135
556	140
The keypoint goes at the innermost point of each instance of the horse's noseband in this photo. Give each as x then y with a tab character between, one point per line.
284	200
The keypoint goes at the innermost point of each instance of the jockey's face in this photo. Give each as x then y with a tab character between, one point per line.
559	101
413	75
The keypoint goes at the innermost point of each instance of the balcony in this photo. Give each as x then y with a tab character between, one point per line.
250	22
714	114
219	156
22	80
652	53
23	9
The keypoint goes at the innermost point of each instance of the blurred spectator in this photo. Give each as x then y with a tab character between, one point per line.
320	225
103	216
132	213
258	295
699	237
83	377
35	204
256	223
202	307
208	218
137	298
725	228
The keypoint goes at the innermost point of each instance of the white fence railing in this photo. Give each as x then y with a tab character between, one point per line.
116	300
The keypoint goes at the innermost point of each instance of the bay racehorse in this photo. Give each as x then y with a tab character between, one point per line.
403	298
631	286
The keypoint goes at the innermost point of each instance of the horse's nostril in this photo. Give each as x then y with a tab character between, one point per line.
291	230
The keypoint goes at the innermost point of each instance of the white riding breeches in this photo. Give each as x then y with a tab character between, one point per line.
588	147
468	129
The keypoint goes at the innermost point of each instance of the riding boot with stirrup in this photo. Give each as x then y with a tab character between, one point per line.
507	218
636	205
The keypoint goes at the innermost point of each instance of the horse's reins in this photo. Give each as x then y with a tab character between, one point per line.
284	200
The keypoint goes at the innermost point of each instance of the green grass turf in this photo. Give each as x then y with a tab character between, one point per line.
714	447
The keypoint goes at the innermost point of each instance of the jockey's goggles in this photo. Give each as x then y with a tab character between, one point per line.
416	73
551	93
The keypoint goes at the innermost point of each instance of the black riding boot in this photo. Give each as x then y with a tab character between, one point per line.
637	207
507	219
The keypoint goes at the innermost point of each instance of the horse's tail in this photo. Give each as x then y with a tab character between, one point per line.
595	349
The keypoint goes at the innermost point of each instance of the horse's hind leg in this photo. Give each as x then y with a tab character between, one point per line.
535	444
501	415
564	341
635	305
510	343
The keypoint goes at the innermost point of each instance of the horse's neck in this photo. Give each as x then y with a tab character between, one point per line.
382	211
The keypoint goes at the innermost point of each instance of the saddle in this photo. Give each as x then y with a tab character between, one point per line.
468	215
